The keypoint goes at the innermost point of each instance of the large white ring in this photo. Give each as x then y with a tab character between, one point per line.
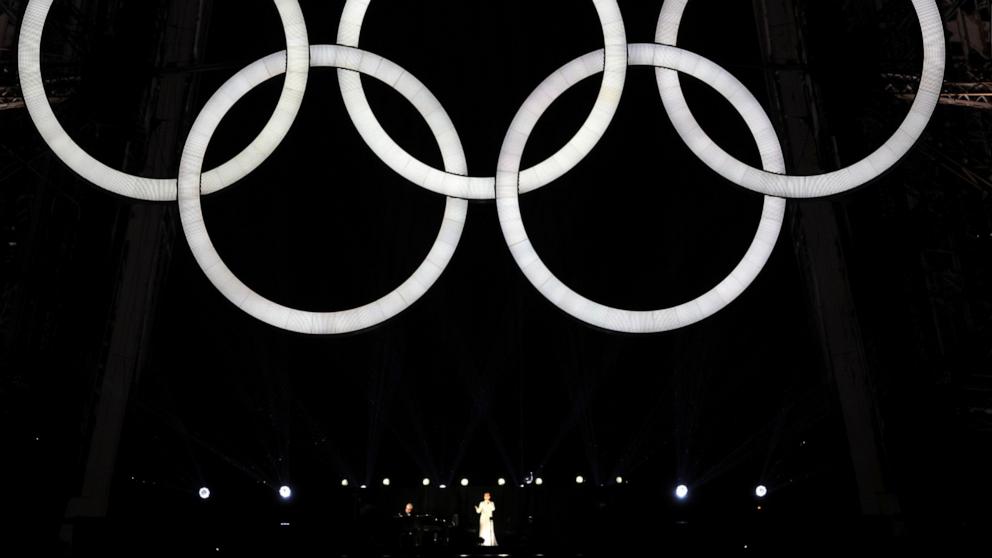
839	181
475	188
40	111
627	321
233	288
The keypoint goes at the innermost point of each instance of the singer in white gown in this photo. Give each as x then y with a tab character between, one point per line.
485	510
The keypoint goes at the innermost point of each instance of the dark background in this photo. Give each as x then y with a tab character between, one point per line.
483	378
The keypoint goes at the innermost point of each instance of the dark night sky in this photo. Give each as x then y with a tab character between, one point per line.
483	377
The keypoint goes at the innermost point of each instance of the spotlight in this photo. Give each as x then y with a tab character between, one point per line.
426	482
464	482
344	482
501	481
538	481
681	491
285	492
760	491
619	480
579	480
385	481
204	493
443	486
363	487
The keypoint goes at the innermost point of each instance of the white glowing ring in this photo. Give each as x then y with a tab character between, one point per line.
40	111
461	186
511	221
236	291
769	183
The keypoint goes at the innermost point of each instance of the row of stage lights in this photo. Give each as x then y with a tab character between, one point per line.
681	491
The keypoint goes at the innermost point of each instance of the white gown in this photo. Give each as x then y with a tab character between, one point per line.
486	532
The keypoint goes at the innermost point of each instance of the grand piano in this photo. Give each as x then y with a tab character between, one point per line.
416	530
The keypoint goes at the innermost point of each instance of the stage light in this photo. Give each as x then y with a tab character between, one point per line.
385	481
426	482
760	491
285	492
363	487
443	486
681	491
619	480
344	482
501	481
539	481
464	482
204	493
579	480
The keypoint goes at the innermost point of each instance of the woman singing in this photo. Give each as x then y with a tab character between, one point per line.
485	510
